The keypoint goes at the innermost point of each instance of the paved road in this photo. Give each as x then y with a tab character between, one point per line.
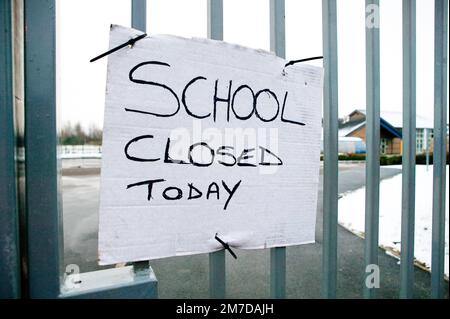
248	276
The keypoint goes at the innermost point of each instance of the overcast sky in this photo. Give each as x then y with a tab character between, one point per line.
83	30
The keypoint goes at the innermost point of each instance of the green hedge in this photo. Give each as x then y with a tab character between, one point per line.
390	159
387	159
422	159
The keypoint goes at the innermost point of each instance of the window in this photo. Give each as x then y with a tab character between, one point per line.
419	141
383	145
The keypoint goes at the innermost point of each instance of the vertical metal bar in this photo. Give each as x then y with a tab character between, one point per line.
330	149
278	273
44	223
427	156
139	14
409	149
217	259
9	239
439	152
277	28
277	45
372	141
217	275
215	19
139	22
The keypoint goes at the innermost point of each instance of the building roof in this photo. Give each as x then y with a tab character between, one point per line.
349	127
391	129
396	119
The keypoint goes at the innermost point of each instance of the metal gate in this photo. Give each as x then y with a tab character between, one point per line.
30	264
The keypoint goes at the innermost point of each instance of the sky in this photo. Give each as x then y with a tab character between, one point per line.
83	31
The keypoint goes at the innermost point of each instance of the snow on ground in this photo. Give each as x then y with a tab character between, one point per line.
351	213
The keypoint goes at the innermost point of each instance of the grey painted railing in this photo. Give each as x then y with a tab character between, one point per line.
43	232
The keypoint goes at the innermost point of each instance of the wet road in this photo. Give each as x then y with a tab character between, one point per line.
248	276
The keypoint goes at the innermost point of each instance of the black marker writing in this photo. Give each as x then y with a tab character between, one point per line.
172	193
230	192
149	183
230	99
165	87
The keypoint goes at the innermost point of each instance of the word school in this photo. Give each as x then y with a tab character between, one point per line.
244	91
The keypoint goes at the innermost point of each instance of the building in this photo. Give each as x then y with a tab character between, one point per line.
391	126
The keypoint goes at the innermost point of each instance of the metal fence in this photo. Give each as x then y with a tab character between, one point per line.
41	277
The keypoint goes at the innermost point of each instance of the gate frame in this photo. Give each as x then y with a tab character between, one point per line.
43	274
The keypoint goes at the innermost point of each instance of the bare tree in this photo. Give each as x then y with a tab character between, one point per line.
75	134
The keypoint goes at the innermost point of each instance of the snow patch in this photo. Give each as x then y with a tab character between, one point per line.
352	207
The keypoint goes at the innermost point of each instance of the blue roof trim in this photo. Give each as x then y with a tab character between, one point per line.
385	124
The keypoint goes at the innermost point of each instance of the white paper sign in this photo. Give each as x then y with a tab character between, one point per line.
203	137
